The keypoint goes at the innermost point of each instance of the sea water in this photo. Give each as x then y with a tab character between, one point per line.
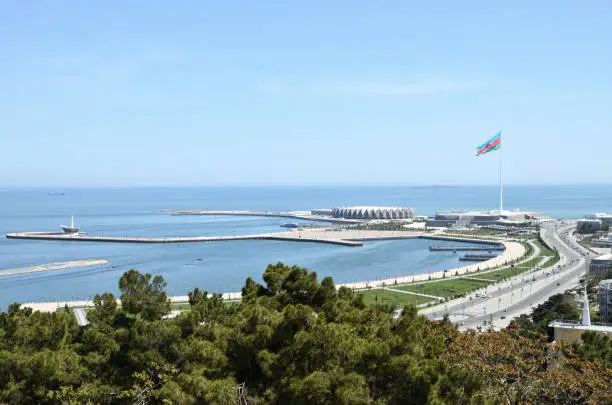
224	266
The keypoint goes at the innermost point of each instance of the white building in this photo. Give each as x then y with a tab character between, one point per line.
373	212
601	216
466	219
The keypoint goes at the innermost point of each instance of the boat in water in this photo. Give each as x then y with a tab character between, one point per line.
71	228
289	225
478	256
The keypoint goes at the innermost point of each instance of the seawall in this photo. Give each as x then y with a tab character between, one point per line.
288	237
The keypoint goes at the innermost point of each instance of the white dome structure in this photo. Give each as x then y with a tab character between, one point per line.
373	212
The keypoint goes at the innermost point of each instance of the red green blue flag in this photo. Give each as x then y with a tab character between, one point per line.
490	145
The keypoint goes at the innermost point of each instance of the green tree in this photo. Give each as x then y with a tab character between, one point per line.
292	340
595	346
104	310
144	295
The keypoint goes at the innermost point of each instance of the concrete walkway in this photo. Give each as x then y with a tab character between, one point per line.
435	297
488	280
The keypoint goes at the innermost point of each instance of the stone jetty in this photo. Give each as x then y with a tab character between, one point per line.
283	236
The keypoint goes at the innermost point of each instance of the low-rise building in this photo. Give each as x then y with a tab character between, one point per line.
600	266
571	331
605	300
594	222
605	219
465	219
588	225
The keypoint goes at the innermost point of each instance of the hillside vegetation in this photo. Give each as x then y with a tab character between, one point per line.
292	340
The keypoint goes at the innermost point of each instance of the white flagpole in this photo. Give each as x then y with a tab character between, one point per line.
501	187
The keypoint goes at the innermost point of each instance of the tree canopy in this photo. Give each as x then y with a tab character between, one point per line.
292	340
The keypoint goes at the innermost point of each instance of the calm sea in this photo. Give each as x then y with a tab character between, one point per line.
223	266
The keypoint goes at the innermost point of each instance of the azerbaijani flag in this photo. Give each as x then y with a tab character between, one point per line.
490	145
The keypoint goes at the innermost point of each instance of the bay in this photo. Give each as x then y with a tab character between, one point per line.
224	266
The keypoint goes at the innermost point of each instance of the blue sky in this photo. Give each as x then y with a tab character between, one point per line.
291	92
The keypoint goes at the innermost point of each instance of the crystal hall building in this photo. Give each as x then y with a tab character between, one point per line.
373	212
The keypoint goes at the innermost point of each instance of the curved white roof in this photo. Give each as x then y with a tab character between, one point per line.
373	212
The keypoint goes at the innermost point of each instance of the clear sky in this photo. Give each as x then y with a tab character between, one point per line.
145	93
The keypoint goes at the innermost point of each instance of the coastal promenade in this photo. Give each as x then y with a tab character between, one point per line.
501	303
513	251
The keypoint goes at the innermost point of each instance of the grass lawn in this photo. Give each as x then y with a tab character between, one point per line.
476	232
506	273
379	296
545	251
447	288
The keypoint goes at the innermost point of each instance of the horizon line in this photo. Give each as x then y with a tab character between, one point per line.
285	185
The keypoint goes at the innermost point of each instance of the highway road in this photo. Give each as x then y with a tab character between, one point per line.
507	300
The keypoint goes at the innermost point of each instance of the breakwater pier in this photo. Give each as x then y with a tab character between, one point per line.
475	257
282	236
466	248
303	215
329	235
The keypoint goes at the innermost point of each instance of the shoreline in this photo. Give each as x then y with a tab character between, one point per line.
514	251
